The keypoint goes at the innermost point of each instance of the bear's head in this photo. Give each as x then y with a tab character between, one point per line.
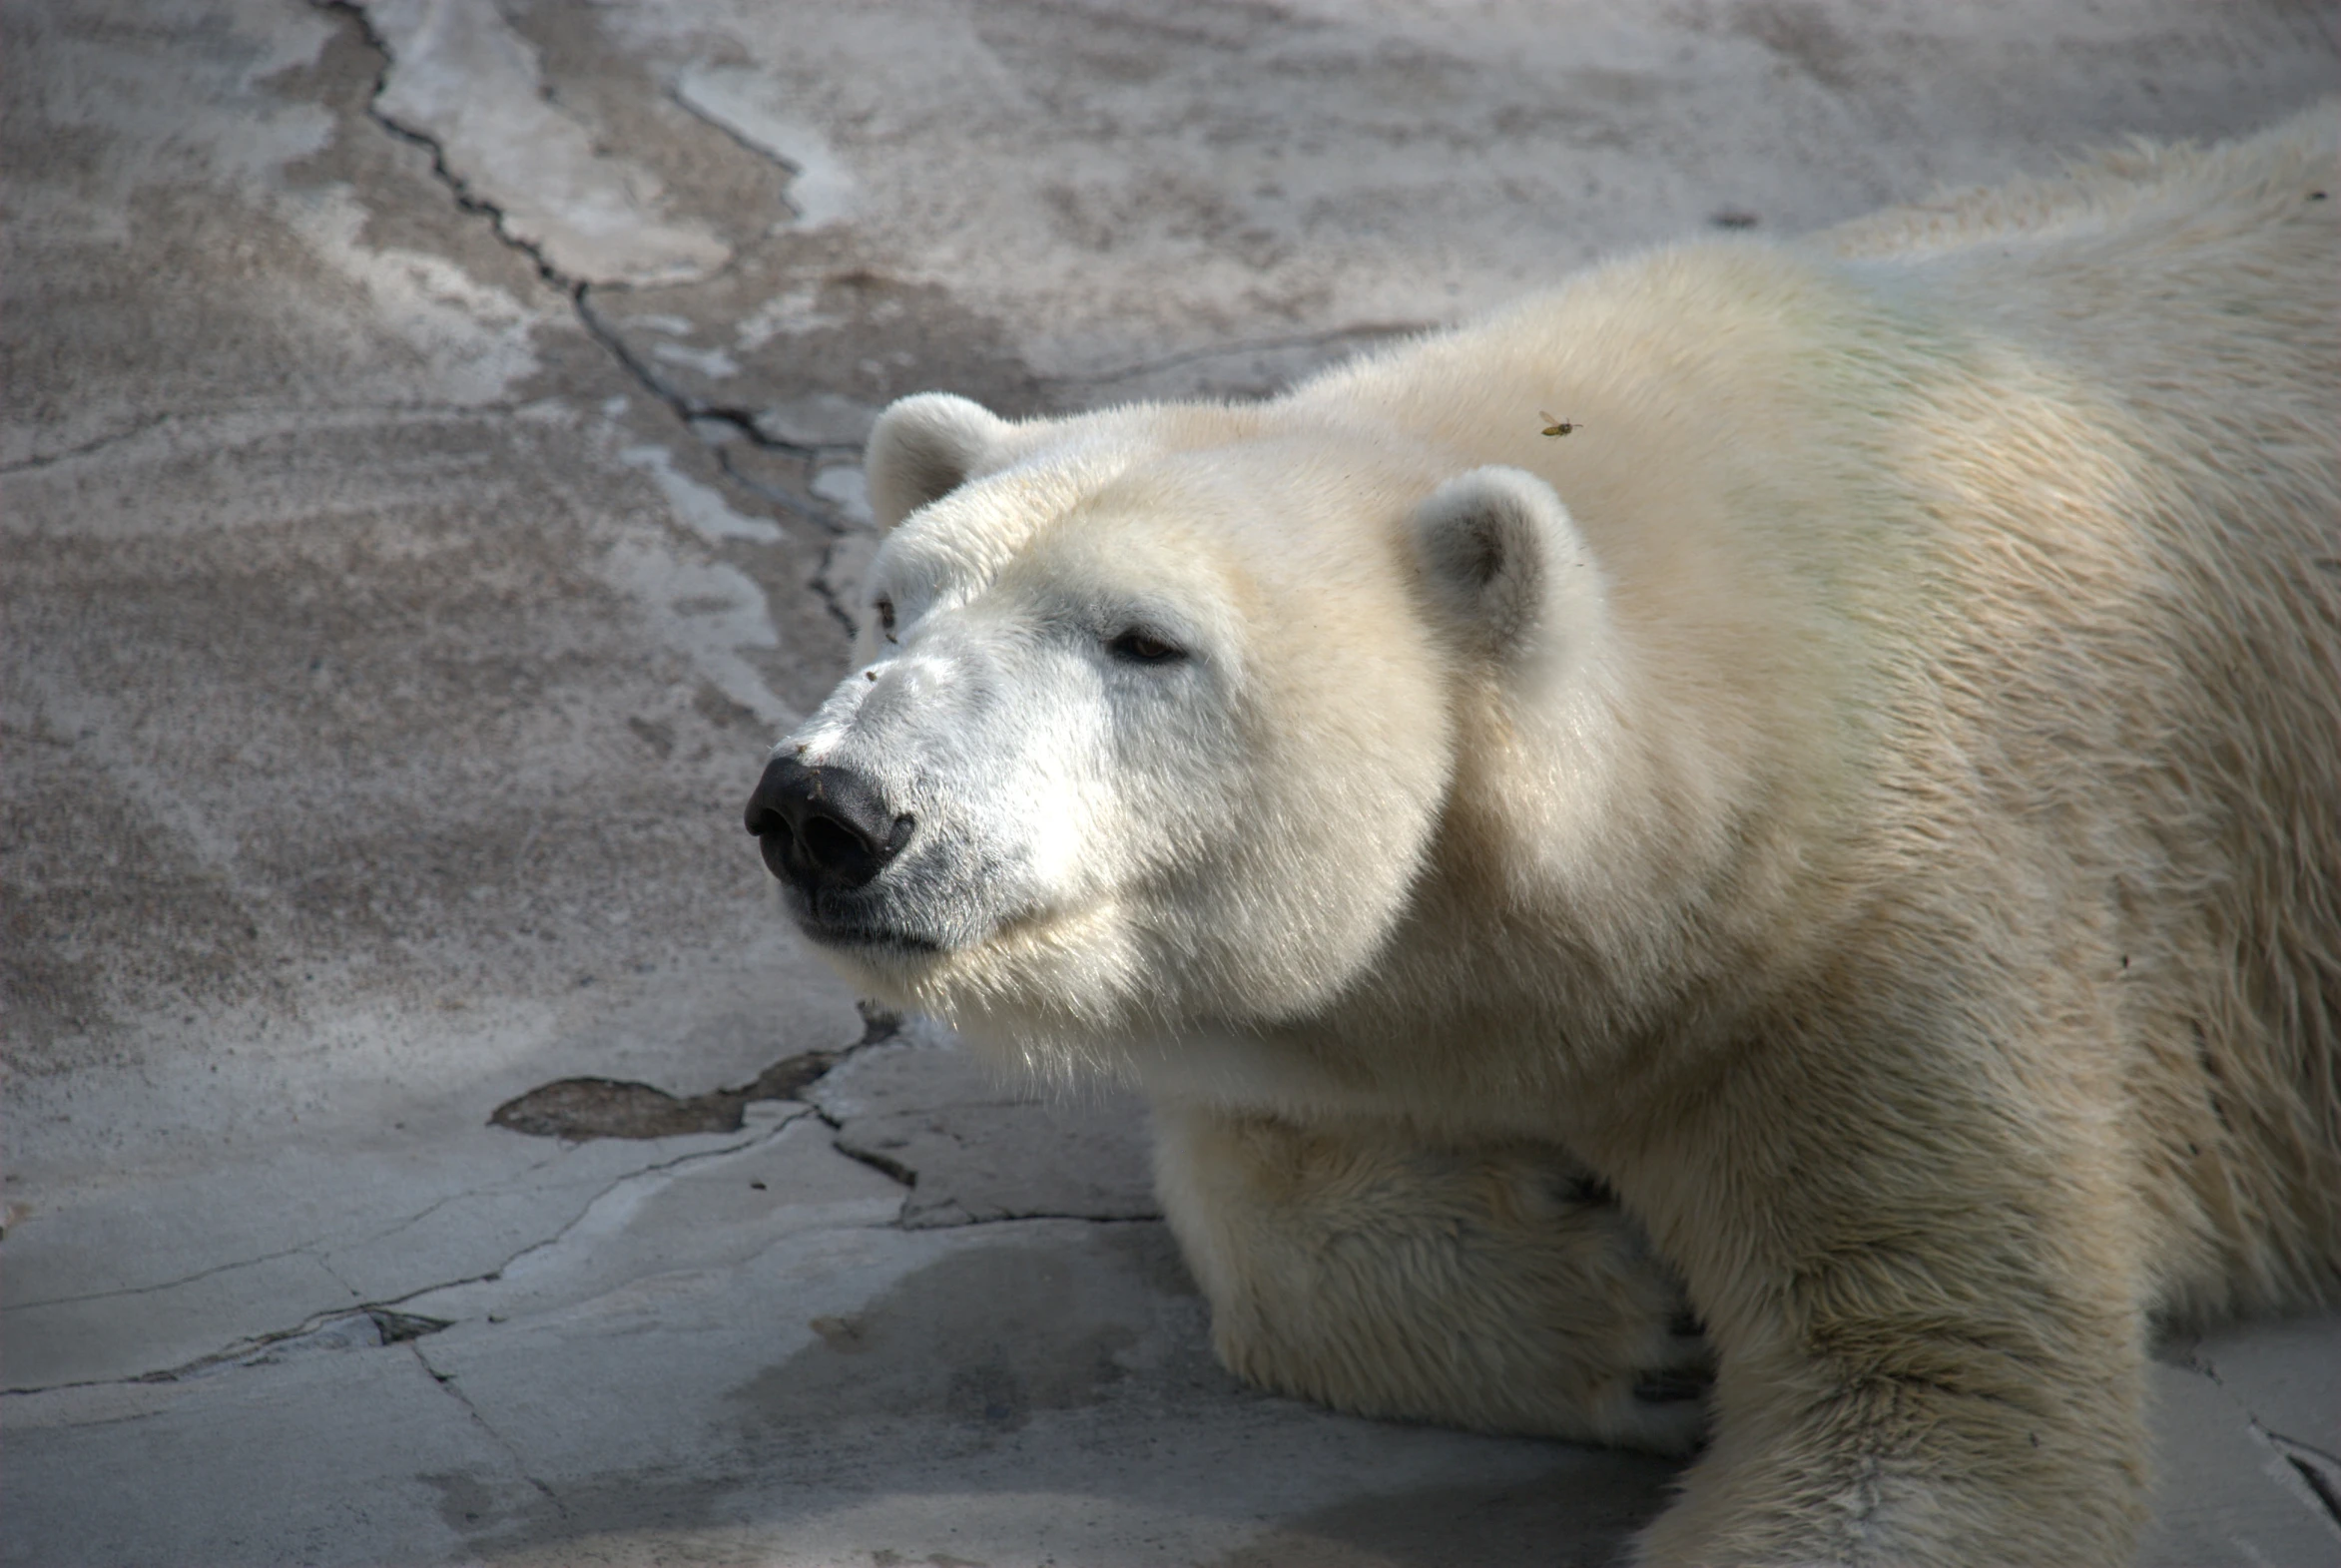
1154	720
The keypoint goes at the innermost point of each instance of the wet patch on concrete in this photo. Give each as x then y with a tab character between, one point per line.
466	1503
578	1109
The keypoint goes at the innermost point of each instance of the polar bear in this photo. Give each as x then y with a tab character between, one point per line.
1780	803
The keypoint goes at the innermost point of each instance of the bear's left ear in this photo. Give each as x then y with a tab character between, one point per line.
1505	566
921	449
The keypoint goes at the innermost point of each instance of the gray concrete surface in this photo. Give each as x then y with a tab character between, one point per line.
428	442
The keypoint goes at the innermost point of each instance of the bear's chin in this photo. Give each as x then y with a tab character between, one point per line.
1052	991
877	925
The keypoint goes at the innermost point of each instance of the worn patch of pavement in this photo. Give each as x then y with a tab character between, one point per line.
429	442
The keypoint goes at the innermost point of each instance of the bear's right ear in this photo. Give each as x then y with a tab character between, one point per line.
1506	569
921	449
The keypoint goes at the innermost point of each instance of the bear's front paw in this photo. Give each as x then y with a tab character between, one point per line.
1670	1392
1494	1287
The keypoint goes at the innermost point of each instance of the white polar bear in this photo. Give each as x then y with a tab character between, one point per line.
1869	794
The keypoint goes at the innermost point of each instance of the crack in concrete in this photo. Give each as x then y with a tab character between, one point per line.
319	1250
273	419
2319	1471
486	1277
166	1284
681	405
448	1385
335	1329
324	1331
577	1110
240	1353
635	1175
878	1026
502	1183
794	505
892	1170
741	421
94	444
447	177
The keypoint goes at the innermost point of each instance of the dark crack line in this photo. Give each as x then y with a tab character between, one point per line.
447	177
166	1284
877	1027
395	1328
826	592
2318	1470
690	410
490	1276
2321	1470
94	444
746	1141
319	1250
892	1170
684	406
794	506
242	1348
454	1390
295	420
325	1254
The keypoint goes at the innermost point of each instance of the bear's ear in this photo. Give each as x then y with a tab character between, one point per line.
921	449
1506	569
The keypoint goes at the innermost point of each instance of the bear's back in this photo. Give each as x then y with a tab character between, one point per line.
2068	451
2150	583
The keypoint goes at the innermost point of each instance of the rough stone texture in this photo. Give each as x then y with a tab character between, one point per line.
464	80
428	434
2228	1493
975	1147
355	1457
2286	1378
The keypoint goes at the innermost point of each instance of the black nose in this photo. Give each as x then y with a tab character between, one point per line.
822	827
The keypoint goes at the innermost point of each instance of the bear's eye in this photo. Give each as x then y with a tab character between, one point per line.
1136	647
885	617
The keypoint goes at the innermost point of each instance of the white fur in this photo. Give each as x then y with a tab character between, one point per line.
1868	791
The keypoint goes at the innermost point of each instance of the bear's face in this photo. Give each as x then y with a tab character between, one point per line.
1150	727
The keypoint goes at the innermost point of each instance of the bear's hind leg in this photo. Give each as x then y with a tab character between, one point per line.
1493	1286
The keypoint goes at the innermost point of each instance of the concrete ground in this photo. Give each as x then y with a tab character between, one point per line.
429	437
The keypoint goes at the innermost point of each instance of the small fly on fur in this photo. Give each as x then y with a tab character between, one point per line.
1555	426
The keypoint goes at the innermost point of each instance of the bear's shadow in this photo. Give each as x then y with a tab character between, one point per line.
1077	1365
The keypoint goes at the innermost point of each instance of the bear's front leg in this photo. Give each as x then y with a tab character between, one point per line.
1924	1278
1493	1286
